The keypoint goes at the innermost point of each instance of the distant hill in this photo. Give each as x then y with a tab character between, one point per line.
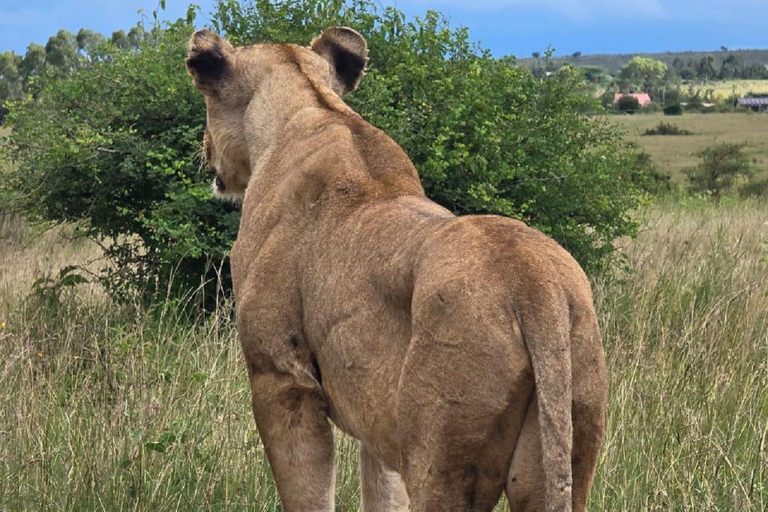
614	62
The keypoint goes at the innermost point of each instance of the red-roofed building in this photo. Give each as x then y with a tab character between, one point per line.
642	98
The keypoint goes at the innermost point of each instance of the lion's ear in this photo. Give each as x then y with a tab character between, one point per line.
347	53
209	59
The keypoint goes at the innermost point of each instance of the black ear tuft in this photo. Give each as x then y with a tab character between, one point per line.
347	53
208	59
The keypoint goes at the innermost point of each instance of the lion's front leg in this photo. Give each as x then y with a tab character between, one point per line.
298	440
289	404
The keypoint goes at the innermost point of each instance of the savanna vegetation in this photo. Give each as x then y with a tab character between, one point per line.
124	381
122	406
672	155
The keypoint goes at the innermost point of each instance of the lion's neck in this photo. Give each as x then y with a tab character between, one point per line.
266	117
307	136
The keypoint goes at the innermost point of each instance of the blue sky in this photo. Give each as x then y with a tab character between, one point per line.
517	27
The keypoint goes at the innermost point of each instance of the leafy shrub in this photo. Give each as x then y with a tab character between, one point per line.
628	104
667	129
651	108
115	144
754	188
673	110
651	180
721	167
694	103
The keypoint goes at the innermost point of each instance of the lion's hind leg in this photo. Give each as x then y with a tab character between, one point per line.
289	404
463	392
383	490
525	488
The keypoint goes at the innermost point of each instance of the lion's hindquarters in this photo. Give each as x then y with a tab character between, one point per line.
463	392
586	413
499	311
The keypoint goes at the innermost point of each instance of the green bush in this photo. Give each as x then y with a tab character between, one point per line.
673	110
115	145
667	129
628	104
720	168
651	179
651	108
754	188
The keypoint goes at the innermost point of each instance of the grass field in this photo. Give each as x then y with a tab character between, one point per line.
726	88
119	407
672	154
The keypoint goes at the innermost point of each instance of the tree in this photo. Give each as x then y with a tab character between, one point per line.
755	71
33	62
61	52
576	55
10	80
120	40
137	35
731	67
91	44
687	74
720	168
705	68
645	71
536	55
670	77
10	76
594	74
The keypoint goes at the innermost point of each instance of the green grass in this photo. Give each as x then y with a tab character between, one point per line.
115	406
672	154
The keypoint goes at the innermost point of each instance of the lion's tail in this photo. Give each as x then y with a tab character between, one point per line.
547	336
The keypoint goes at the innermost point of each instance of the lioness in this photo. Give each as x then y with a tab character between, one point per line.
463	353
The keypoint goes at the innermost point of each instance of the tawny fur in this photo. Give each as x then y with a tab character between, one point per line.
463	353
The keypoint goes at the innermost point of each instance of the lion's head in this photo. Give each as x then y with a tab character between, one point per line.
267	83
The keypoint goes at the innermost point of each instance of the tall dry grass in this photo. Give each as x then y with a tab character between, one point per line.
116	407
687	341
